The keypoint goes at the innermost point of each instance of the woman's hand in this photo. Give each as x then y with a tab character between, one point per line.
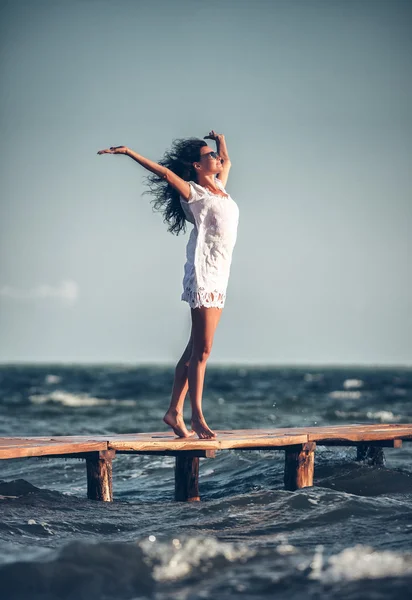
114	150
217	137
221	148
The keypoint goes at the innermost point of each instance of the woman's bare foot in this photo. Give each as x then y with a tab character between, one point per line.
175	421
200	426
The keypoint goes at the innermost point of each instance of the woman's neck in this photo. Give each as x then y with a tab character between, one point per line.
207	181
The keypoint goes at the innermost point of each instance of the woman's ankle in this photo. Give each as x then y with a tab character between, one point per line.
174	411
198	418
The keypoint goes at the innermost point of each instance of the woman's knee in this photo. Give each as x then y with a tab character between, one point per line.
201	352
203	329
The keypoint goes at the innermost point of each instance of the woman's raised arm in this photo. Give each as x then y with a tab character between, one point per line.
174	180
221	148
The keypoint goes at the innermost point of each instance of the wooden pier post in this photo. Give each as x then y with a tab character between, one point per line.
99	475
187	478
299	466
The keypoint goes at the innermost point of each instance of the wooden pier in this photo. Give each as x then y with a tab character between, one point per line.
299	445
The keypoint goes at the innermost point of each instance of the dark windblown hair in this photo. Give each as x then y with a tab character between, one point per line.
179	159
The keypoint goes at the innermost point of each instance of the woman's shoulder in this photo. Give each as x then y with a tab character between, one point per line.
197	192
199	188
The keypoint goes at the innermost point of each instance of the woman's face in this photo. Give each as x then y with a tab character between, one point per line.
210	162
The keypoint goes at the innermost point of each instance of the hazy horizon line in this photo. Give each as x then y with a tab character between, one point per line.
211	364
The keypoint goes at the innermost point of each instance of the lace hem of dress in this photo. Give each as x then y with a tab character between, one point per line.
200	297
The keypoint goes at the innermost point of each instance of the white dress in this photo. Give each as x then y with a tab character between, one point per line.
210	246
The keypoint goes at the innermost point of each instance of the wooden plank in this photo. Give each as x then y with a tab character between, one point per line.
99	475
187	478
14	441
49	449
221	442
358	427
267	441
299	466
360	433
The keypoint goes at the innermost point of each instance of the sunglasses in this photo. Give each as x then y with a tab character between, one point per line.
211	154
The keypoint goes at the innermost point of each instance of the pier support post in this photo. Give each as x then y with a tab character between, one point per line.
187	478
373	455
99	475
299	466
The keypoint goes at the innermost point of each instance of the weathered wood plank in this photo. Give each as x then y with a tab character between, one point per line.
49	449
187	478
361	433
12	440
221	442
299	466
99	475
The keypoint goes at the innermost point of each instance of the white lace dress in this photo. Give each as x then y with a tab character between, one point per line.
210	246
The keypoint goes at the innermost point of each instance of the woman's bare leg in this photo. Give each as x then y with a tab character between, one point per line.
204	323
174	414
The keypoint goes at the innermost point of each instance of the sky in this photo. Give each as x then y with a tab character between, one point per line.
314	98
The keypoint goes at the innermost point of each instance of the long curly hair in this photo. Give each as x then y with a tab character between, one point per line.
179	159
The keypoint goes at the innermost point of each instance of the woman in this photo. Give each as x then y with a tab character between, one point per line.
189	185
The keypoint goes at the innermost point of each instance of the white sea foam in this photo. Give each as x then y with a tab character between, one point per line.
359	562
41	525
285	549
77	400
178	558
345	394
208	472
384	416
50	379
352	383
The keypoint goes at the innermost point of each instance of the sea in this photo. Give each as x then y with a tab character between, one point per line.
348	537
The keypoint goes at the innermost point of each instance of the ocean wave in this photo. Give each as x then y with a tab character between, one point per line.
352	383
76	400
121	570
384	416
359	562
345	394
179	558
52	379
81	571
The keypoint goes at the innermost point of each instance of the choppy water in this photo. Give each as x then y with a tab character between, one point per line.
348	537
